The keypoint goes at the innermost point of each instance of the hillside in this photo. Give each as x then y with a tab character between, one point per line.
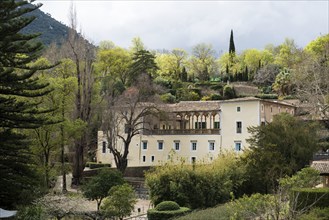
51	30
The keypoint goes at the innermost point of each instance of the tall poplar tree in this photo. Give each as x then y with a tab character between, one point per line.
19	89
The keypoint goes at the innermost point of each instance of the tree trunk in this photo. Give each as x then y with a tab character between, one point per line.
78	163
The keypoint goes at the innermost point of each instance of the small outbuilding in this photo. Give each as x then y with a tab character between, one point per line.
323	167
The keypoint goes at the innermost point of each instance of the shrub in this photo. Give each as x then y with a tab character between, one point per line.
120	202
217	87
95	165
198	186
168	98
229	92
167	206
153	214
310	197
316	214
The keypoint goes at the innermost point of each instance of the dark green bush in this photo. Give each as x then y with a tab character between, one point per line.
153	214
229	92
309	197
94	165
217	87
167	206
215	97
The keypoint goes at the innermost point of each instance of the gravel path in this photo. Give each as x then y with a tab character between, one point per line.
141	206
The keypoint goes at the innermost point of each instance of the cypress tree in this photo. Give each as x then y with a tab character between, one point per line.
19	89
232	46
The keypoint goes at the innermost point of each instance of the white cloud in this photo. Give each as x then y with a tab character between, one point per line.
170	24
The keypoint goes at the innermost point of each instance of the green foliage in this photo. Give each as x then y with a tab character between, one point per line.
154	214
98	187
229	92
168	98
198	186
253	207
283	83
232	46
32	212
310	197
120	202
316	214
277	149
318	46
167	206
307	177
217	87
143	62
95	165
187	95
19	92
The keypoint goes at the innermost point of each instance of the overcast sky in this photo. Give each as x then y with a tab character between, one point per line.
183	24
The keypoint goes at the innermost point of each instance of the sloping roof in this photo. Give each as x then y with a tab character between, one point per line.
188	106
321	166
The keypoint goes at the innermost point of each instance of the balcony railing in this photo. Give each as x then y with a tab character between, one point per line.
180	131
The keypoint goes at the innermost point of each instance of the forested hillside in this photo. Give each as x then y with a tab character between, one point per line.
51	30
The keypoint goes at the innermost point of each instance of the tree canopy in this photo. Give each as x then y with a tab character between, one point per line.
279	148
19	90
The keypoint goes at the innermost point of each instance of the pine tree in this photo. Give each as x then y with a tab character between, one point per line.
143	62
19	89
232	46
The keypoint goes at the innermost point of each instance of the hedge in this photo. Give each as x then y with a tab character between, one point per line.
153	214
307	197
167	206
94	165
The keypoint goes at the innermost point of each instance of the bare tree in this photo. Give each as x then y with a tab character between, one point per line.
82	53
125	116
311	79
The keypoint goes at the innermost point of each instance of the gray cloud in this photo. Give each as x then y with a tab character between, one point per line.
182	24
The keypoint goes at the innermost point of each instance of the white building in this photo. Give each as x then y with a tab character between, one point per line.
196	130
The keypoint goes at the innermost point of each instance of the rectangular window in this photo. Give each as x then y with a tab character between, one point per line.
211	145
193	146
144	158
104	147
238	109
144	145
237	145
160	145
127	128
176	145
216	125
200	125
152	159
238	127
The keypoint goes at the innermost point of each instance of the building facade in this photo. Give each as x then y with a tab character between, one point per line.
195	130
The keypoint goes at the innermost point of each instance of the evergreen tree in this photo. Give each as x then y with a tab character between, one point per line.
184	75
19	110
232	46
143	62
